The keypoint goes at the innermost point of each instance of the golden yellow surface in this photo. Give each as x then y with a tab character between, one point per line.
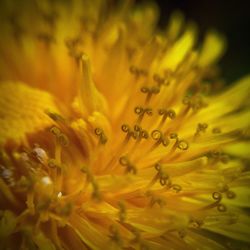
117	135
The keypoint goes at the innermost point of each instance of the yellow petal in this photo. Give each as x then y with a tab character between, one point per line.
90	97
212	49
175	25
238	231
180	49
199	241
22	111
72	241
242	197
233	99
7	224
185	167
88	233
240	149
7	193
43	242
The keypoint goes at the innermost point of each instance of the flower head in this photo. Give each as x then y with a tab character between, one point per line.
117	135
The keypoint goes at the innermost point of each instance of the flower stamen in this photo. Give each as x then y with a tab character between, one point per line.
115	235
122	211
201	128
140	111
165	114
138	72
160	80
102	137
130	168
150	92
159	137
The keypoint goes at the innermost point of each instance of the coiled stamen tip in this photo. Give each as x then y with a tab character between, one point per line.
162	111
139	110
230	194
125	128
100	133
165	142
55	131
201	127
196	223
144	90
177	188
217	196
137	128
160	80
221	208
158	167
156	134
149	111
144	134
123	161
173	136
171	114
63	139
137	72
183	145
164	179
130	168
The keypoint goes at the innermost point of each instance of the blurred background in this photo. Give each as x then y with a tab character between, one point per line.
232	18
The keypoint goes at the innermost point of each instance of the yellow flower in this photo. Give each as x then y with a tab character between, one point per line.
117	135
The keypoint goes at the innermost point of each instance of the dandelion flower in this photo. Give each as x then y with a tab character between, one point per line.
117	135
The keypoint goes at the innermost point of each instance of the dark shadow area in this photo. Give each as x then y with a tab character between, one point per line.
232	18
